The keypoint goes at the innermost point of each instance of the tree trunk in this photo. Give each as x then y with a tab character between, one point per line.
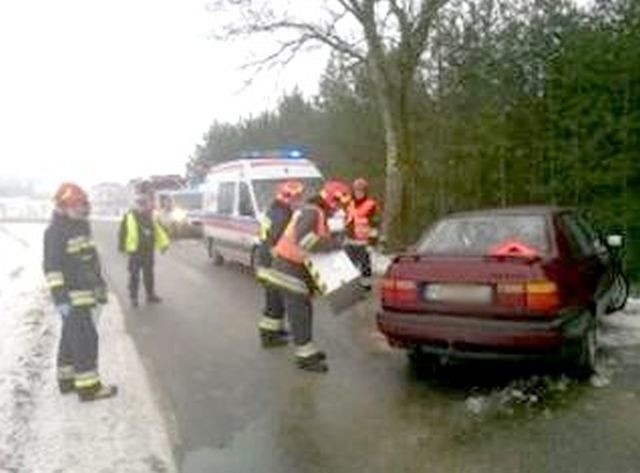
392	218
408	164
393	193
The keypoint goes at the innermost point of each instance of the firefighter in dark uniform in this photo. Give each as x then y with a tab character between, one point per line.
72	271
362	229
140	235
271	325
306	233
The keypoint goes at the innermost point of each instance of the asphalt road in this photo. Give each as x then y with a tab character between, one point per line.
239	408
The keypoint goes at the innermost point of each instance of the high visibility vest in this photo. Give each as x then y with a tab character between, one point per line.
160	237
360	217
289	248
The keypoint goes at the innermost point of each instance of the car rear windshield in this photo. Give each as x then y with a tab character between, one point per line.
481	235
266	189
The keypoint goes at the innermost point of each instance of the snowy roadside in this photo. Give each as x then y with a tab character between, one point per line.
618	332
43	431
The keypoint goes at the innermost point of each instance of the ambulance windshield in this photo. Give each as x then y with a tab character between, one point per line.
265	189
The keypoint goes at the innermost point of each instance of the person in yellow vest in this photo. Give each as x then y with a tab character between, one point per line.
140	235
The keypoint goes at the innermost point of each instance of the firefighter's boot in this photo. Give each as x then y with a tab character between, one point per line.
272	332
309	358
66	383
270	339
96	392
365	284
66	386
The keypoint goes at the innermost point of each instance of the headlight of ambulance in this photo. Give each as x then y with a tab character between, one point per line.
179	215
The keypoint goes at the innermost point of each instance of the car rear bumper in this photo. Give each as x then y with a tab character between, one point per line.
482	338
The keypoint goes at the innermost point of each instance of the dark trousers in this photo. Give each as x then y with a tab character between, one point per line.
141	262
299	310
78	348
274	303
361	258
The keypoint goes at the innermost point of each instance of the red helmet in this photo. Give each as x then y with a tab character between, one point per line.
70	195
335	193
290	190
360	184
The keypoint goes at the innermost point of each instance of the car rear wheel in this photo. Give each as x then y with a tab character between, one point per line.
217	258
586	362
619	294
421	360
254	258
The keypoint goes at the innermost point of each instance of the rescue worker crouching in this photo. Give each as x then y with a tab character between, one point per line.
73	274
271	326
306	233
140	235
362	229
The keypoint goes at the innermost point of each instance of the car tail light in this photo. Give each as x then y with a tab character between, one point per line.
399	290
542	296
538	296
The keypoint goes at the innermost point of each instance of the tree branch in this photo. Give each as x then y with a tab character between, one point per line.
426	16
327	36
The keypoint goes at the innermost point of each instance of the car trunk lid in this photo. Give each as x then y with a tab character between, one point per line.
497	286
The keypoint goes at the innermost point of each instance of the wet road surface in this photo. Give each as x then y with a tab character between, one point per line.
239	408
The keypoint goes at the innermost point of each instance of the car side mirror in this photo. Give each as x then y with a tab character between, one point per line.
615	241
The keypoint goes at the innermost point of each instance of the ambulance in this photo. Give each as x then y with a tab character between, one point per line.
237	193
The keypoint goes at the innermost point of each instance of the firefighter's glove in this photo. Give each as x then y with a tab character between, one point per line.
101	293
64	310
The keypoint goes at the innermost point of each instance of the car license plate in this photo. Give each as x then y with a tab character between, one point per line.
460	293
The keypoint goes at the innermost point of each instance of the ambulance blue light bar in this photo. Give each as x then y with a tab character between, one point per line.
284	153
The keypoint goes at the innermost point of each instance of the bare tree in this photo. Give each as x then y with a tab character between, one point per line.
388	36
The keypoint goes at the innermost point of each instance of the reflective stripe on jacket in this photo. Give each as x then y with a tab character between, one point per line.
82	298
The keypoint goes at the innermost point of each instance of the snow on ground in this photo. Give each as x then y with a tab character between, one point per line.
43	431
622	329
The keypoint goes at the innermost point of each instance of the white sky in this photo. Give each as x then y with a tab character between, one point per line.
108	90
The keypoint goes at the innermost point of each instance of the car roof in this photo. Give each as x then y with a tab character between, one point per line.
543	210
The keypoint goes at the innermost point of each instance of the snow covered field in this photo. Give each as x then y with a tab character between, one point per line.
42	431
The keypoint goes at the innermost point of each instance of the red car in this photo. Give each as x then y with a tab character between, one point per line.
520	283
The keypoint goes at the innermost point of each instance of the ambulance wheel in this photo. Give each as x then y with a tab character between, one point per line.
217	258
